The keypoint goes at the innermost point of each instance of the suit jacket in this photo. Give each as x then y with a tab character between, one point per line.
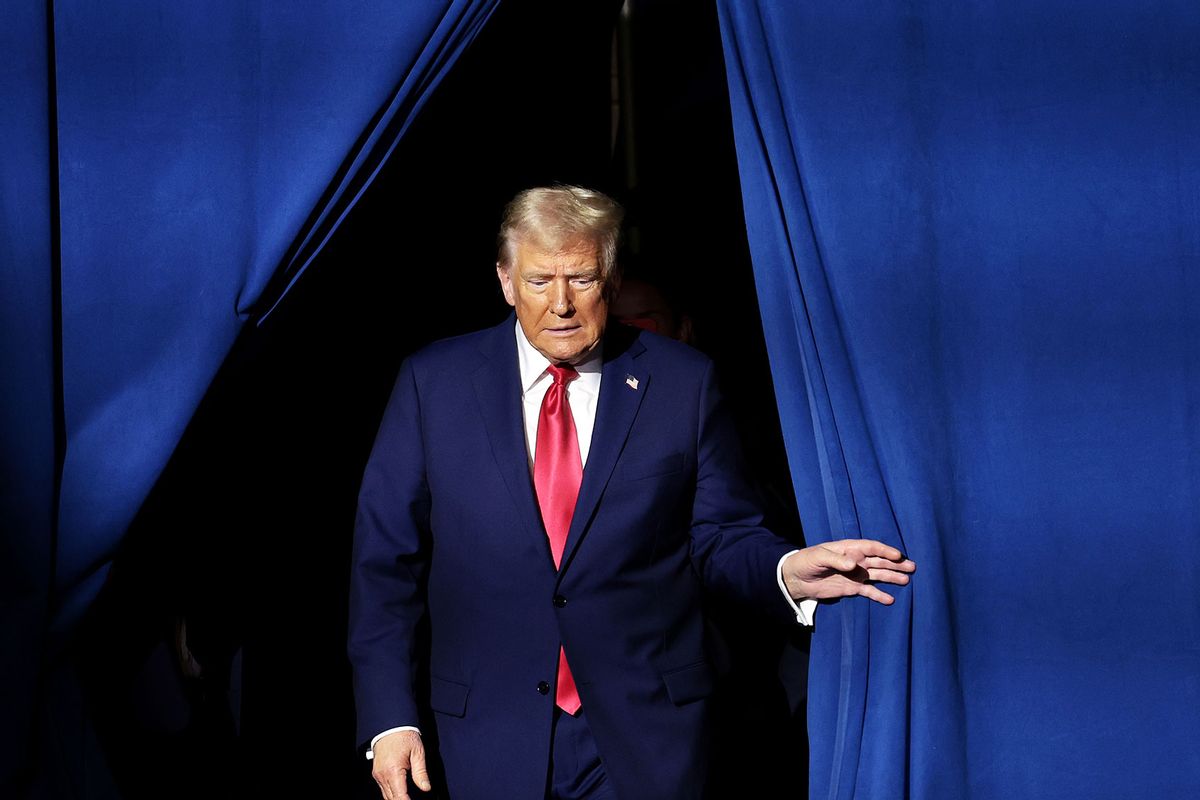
448	525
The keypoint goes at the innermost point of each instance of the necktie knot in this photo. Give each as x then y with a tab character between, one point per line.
562	373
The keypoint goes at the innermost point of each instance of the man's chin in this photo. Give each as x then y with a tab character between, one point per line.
564	351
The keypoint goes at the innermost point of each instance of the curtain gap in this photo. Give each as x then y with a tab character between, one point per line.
56	312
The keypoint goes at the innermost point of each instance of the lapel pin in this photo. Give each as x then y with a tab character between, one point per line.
631	382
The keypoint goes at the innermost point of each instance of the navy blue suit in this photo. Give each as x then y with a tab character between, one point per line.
448	523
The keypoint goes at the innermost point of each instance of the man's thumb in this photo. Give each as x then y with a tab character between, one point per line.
420	774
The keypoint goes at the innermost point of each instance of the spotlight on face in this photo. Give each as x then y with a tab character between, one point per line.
560	298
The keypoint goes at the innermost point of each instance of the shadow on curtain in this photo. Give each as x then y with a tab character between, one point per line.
168	170
27	368
975	231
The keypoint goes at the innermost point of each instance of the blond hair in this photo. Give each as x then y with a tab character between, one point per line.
554	218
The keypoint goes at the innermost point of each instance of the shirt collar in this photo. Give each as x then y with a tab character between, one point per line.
533	364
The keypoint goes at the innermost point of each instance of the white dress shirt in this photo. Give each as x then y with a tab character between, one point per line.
582	394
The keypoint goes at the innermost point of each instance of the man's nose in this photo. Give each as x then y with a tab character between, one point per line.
560	298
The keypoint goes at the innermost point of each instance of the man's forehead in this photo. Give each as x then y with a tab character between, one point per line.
575	256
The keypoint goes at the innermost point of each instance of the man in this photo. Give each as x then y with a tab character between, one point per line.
553	492
641	304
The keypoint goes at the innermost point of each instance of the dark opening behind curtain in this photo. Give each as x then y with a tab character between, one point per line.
975	231
204	150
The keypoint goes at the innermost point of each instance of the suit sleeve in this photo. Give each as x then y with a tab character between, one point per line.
734	554
389	566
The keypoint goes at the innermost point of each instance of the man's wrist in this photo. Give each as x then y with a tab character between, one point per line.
389	732
805	608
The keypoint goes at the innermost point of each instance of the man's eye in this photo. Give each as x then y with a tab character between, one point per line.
537	283
583	283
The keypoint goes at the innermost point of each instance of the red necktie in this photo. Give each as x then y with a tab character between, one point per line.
557	473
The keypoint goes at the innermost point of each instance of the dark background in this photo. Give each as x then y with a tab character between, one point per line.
247	535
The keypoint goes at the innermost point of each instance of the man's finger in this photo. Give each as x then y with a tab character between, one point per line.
400	786
860	548
827	556
874	562
871	547
888	576
393	785
419	773
870	592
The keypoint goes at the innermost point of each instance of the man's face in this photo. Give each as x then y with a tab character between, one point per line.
560	299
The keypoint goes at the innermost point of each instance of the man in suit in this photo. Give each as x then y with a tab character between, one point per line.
553	493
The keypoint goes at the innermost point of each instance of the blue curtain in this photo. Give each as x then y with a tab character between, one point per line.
975	230
27	368
167	170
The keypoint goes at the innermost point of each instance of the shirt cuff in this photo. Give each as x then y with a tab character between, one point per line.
371	749
805	609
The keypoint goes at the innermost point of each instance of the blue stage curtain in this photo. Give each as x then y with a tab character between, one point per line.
27	370
975	230
195	156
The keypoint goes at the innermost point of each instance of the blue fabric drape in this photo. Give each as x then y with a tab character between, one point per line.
975	230
27	367
205	152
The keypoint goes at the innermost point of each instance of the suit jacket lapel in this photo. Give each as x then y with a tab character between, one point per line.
616	409
497	384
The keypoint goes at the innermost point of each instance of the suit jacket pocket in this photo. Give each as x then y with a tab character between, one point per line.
648	468
690	683
448	697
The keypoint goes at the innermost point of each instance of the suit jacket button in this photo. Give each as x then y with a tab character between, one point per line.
543	687
559	601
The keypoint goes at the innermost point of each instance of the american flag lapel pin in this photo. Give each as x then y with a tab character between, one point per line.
631	382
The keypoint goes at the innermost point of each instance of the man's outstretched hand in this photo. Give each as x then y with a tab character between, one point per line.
846	568
397	756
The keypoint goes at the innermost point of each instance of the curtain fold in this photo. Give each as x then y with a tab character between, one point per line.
975	235
458	27
205	152
196	144
27	370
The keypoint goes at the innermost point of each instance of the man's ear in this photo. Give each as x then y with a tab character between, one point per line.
506	284
686	333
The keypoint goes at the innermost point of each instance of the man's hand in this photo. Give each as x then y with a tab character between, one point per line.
844	569
397	756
